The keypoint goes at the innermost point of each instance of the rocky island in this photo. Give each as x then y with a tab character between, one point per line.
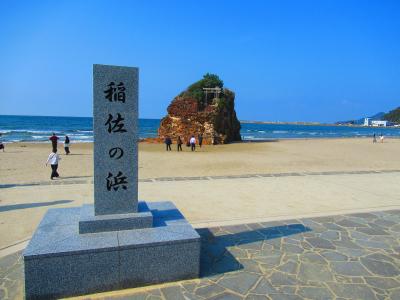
205	108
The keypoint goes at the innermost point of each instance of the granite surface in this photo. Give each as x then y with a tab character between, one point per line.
59	261
115	140
89	223
353	256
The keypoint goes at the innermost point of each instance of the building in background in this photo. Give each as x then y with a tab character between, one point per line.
377	123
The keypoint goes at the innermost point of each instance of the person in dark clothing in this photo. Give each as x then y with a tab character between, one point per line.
179	143
54	140
168	143
200	140
66	145
1	144
53	160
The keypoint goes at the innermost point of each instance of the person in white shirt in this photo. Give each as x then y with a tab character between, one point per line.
193	143
53	159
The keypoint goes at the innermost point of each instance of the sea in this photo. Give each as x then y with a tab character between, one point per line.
38	130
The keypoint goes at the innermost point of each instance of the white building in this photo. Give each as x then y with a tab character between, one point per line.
379	123
367	121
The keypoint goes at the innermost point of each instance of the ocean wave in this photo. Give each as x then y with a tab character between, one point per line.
280	131
84	131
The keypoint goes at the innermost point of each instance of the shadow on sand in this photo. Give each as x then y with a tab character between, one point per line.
32	205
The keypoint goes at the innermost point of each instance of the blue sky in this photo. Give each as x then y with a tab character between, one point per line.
286	60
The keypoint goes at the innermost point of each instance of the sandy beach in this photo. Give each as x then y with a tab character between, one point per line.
215	185
25	162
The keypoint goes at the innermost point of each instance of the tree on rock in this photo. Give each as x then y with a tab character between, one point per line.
205	108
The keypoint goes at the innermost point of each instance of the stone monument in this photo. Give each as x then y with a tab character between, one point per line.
118	242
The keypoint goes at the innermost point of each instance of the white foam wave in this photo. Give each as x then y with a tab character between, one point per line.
280	131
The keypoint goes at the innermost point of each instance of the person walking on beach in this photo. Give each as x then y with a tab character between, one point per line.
66	145
1	143
381	138
168	143
54	140
374	140
193	143
179	143
53	159
200	139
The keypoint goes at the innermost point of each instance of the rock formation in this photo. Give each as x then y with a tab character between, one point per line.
209	112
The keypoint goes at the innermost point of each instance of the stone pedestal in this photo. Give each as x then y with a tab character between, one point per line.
117	242
61	262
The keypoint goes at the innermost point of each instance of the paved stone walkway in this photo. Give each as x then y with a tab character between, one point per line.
340	257
64	181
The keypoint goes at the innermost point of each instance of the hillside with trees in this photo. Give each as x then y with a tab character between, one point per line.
393	115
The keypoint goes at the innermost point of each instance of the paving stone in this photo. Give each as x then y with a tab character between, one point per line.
379	257
373	244
372	231
359	235
173	293
291	290
263	287
395	294
190	286
269	261
279	278
333	226
256	297
353	253
334	256
290	267
250	265
314	272
240	283
284	297
209	291
314	258
316	293
380	267
330	235
320	243
243	265
346	244
289	248
349	268
385	223
226	296
352	291
349	224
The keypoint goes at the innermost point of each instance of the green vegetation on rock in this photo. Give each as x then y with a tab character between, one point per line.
196	91
393	115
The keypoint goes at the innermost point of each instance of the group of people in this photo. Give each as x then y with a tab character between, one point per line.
380	138
54	158
191	142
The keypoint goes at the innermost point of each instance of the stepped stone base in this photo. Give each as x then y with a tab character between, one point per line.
89	223
61	262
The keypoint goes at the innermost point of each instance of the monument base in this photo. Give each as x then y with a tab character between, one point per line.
89	223
61	262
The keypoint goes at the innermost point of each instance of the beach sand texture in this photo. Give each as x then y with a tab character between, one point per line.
25	162
27	191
